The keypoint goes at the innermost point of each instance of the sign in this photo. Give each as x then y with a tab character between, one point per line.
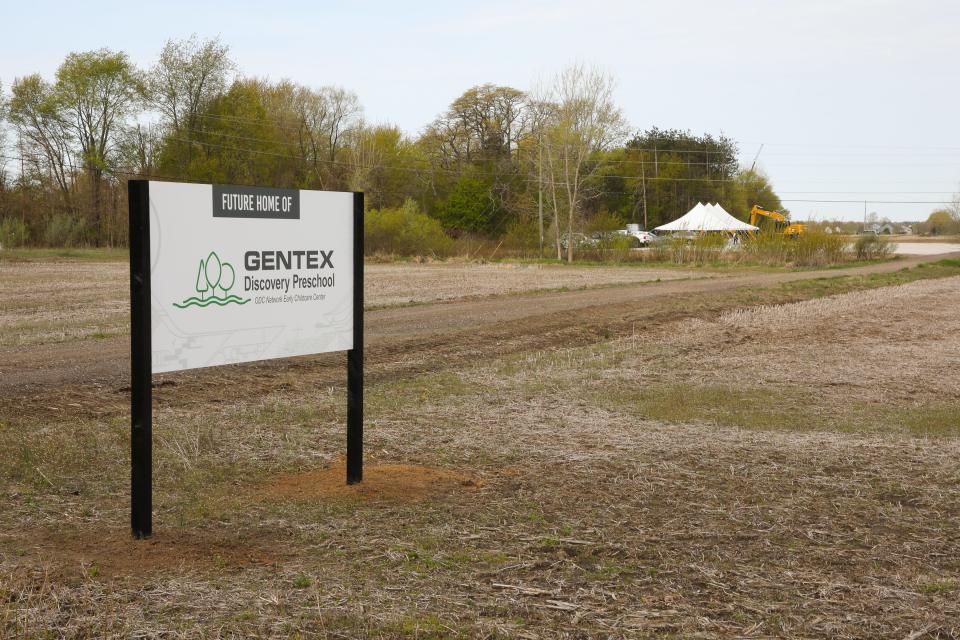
248	273
222	274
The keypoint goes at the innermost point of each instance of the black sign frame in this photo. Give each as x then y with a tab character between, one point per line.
141	368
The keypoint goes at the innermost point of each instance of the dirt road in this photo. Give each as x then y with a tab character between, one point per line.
64	377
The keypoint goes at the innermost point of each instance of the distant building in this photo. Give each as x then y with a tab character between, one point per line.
888	229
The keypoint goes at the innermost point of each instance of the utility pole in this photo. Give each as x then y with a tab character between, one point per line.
643	181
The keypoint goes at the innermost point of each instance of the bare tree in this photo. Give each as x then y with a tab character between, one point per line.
43	131
542	120
326	116
344	112
584	122
954	207
4	108
187	76
139	147
365	158
3	117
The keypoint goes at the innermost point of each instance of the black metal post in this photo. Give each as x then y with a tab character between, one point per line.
355	355
141	398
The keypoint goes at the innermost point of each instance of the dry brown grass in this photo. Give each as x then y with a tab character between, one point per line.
49	301
55	301
877	345
572	502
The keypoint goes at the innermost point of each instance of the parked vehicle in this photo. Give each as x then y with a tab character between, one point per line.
643	238
577	239
598	238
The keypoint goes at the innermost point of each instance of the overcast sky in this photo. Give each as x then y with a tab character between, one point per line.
852	99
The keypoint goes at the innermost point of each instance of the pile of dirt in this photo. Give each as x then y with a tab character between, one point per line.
387	482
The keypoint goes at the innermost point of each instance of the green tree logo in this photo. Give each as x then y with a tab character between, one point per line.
214	277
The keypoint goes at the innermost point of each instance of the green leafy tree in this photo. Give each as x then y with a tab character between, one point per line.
381	161
188	75
752	187
670	170
469	207
940	223
237	143
97	91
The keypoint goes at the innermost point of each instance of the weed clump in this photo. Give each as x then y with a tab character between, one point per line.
14	233
873	247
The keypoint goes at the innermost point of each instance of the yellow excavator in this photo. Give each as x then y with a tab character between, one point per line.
779	220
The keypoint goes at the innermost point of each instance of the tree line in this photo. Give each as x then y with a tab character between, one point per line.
499	162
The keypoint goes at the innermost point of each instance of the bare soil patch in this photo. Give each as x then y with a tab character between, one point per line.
105	552
395	284
56	301
381	482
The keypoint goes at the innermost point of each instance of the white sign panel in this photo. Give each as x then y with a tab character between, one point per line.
248	273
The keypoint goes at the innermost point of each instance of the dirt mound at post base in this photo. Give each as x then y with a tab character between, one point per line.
380	482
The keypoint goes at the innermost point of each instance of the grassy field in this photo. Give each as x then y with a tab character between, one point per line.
763	461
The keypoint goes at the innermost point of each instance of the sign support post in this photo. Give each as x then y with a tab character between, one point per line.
355	355
141	374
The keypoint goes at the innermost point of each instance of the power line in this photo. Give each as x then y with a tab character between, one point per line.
851	146
600	193
867	200
428	168
871	192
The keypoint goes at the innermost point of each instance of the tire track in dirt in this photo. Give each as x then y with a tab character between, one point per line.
89	378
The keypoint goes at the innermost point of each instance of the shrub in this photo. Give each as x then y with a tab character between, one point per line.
63	230
812	249
522	239
14	233
872	247
816	248
706	247
406	231
604	221
767	247
667	249
608	248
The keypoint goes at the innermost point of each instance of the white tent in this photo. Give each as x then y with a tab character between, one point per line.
710	217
